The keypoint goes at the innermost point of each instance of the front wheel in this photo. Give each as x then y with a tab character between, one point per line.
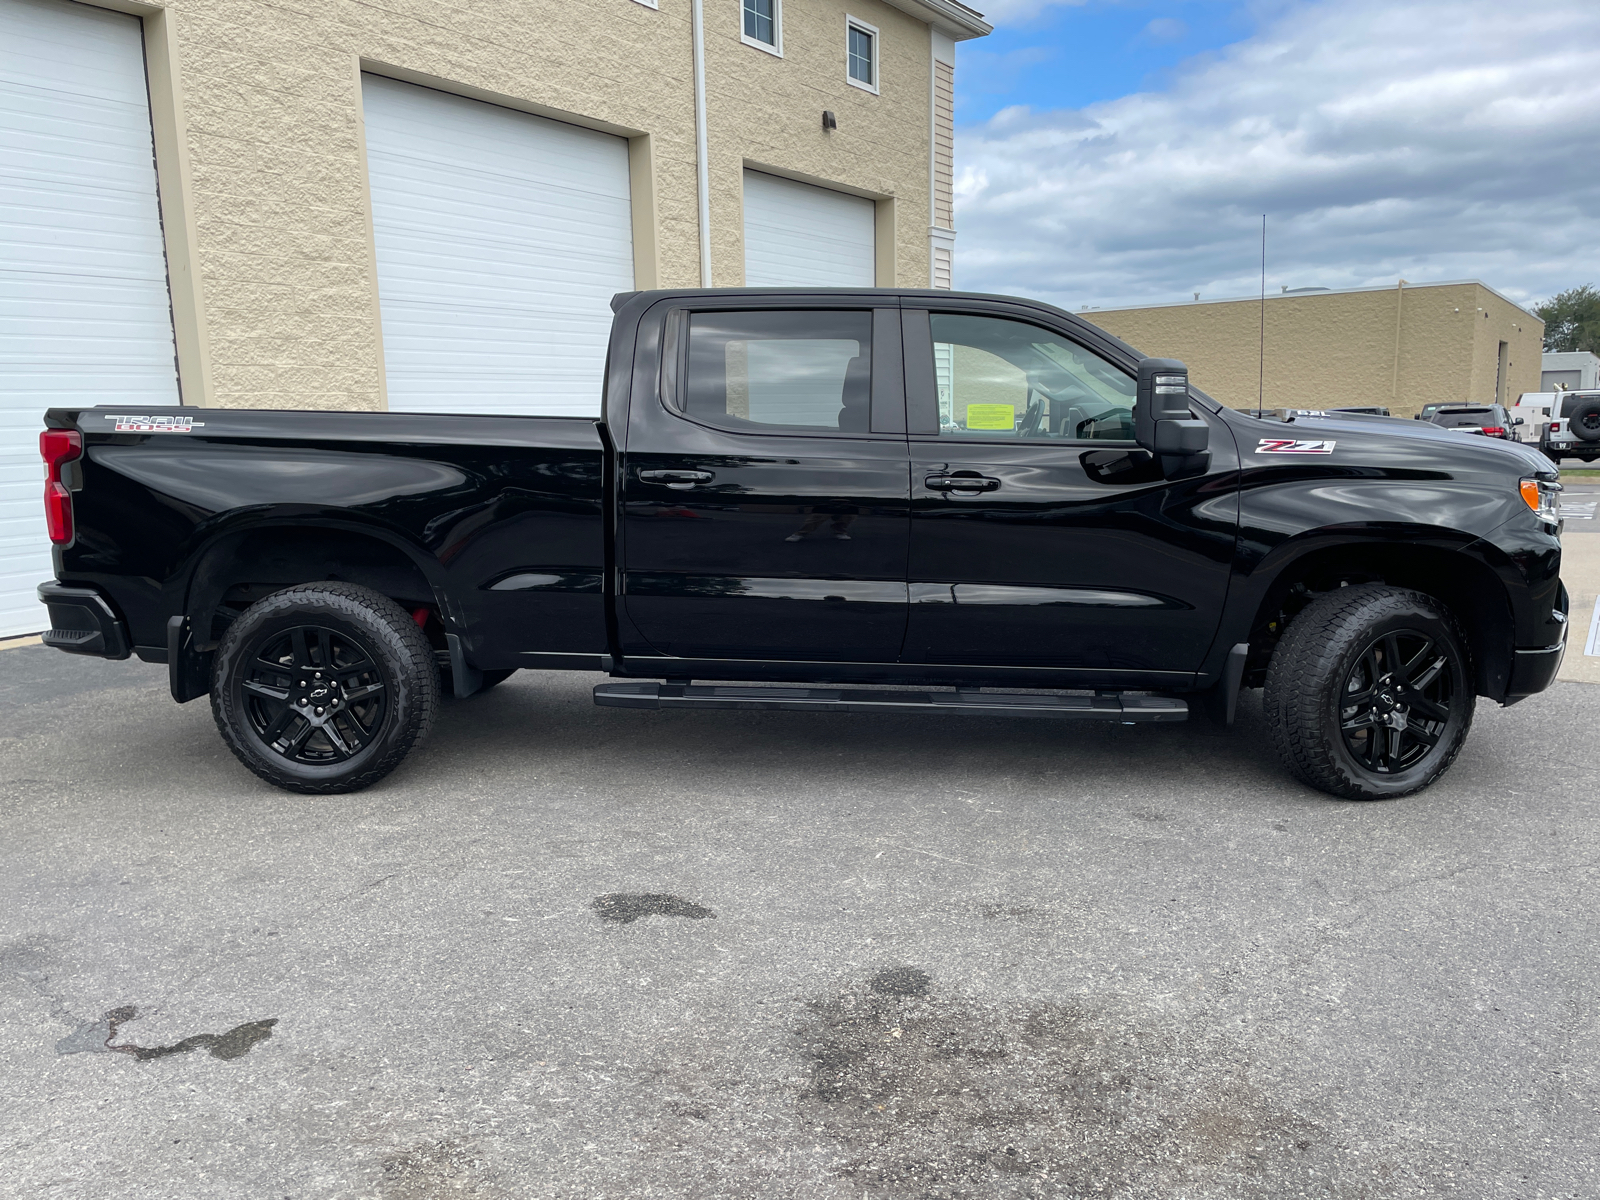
324	687
1368	694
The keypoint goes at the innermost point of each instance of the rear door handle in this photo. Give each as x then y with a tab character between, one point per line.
678	480
960	483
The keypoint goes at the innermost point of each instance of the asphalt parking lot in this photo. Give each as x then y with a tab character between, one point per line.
578	952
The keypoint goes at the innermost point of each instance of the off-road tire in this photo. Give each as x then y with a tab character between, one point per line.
356	619
1313	665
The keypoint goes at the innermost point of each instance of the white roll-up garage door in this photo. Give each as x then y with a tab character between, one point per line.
501	238
800	235
85	317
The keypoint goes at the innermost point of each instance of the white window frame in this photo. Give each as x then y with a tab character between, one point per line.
877	54
775	47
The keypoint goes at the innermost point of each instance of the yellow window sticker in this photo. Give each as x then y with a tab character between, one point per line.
991	416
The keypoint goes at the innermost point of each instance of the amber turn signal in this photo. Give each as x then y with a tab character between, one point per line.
1530	493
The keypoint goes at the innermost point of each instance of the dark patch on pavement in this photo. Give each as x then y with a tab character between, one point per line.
946	1098
98	1035
434	1170
995	912
626	907
900	981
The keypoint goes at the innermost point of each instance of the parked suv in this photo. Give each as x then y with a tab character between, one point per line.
1574	427
1491	420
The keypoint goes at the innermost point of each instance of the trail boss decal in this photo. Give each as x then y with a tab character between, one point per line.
156	424
1290	446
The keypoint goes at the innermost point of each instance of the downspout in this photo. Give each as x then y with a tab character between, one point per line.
701	153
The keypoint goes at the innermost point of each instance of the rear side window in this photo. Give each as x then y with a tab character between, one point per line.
804	370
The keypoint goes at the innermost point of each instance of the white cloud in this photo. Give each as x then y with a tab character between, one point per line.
1165	29
1440	139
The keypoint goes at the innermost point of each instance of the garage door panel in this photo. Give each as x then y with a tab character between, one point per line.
801	235
85	315
501	239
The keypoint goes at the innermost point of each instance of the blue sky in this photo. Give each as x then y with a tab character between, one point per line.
1070	56
1123	152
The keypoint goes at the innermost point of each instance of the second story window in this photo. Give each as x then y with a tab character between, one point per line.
861	52
763	24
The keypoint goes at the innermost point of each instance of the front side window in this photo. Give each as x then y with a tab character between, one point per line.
761	22
806	370
861	52
1000	379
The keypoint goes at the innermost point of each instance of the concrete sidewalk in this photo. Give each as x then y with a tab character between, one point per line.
1580	571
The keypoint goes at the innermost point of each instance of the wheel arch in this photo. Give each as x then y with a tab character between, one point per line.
1465	585
242	564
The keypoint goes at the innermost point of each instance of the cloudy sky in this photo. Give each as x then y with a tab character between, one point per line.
1123	151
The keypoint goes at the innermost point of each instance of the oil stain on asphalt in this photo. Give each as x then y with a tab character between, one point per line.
97	1036
938	1097
623	908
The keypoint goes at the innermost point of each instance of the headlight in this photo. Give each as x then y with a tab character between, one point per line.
1544	498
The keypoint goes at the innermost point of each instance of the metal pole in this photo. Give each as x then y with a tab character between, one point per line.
1261	365
700	150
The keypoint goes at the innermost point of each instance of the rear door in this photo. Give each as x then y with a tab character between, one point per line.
1041	536
765	491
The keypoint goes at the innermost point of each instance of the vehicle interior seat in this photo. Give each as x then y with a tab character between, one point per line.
856	396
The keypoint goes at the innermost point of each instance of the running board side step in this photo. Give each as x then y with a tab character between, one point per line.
1109	706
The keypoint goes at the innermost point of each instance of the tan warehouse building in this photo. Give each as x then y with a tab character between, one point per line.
366	205
1400	347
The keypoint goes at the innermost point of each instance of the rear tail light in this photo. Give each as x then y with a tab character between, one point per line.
58	447
1495	430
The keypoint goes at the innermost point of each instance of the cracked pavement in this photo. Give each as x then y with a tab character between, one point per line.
568	951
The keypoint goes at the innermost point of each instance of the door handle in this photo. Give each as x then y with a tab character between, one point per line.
678	480
960	483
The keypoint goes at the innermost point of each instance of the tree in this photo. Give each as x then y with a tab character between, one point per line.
1572	319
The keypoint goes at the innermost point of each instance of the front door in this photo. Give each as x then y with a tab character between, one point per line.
1040	535
766	495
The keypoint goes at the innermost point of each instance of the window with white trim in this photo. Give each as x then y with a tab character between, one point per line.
762	24
861	54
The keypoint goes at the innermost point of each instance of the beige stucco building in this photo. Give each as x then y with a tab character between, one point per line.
262	148
1400	347
388	204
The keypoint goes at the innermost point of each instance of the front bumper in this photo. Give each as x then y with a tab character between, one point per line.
82	621
1534	669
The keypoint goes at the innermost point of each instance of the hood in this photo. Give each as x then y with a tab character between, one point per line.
1397	441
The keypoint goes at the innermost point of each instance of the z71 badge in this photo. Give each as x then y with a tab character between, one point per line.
155	424
1290	446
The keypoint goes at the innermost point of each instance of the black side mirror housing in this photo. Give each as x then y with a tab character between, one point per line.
1162	423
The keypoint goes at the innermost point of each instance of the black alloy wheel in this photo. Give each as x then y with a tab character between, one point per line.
1396	701
315	695
1369	695
324	687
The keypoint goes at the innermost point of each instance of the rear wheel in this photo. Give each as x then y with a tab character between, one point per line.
1368	694
324	688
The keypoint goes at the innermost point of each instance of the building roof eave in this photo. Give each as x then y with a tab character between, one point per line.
953	19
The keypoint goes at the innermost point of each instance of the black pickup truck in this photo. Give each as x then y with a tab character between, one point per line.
861	501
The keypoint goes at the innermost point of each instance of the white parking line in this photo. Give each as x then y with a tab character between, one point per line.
1592	648
1581	512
